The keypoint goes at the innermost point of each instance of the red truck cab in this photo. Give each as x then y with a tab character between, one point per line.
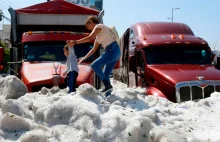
38	35
169	60
43	59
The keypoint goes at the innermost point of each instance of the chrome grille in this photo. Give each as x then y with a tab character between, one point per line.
217	88
208	90
193	90
196	92
185	93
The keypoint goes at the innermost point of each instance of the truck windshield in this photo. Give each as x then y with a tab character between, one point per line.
177	55
53	51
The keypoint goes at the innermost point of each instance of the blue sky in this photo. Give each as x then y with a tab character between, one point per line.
203	16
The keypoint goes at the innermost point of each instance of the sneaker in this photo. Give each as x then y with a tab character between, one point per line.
103	90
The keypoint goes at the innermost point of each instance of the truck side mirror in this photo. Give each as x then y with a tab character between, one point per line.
1	58
100	16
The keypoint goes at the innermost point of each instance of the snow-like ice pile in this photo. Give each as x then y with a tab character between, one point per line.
87	116
11	88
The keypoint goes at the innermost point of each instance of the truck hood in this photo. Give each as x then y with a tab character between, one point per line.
35	73
173	74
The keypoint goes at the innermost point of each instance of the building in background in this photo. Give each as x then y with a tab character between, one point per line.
95	4
5	34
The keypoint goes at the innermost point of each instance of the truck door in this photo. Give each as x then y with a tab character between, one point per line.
125	57
140	68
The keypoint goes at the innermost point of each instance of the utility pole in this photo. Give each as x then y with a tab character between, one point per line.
172	13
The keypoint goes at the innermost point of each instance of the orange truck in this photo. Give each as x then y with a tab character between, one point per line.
38	35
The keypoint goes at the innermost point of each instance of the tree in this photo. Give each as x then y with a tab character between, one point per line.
1	15
6	57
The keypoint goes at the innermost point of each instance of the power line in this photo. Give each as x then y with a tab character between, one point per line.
215	15
216	40
18	2
3	4
4	7
9	3
6	18
2	16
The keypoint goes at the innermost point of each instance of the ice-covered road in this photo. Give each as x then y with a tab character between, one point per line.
52	115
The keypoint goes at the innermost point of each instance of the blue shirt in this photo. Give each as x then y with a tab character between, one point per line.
72	63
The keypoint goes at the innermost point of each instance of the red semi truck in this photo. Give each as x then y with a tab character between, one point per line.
38	35
169	60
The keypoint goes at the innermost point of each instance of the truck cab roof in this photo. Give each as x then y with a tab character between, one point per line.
162	28
161	33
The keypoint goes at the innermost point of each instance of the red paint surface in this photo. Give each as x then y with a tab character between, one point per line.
179	73
160	33
161	79
42	73
50	37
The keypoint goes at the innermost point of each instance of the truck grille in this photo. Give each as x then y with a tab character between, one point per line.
185	93
208	90
193	90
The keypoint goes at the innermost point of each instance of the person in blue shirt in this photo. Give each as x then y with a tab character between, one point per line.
72	70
